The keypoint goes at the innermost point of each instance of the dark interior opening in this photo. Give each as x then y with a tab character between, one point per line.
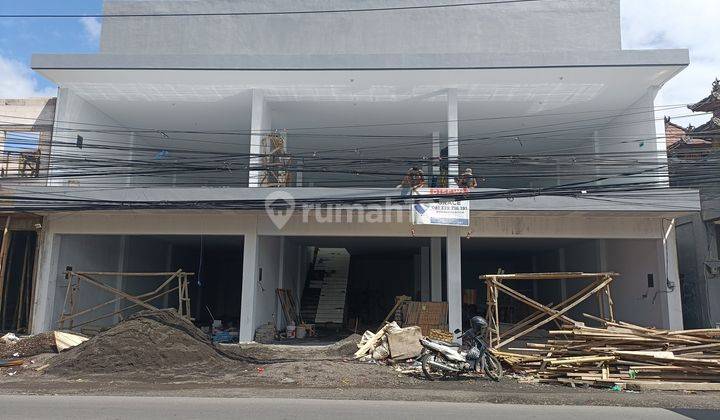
17	282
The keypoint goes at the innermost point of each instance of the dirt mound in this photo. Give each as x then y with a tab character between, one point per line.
148	341
278	353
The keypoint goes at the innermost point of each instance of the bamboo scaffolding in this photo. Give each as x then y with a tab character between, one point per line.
600	286
74	278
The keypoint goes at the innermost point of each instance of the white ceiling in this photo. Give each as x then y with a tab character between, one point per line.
372	113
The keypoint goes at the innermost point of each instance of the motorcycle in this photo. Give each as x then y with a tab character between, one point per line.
441	359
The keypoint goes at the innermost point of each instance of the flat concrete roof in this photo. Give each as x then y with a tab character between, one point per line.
618	58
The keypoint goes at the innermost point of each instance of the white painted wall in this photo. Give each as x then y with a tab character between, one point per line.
634	134
269	262
635	302
73	115
288	278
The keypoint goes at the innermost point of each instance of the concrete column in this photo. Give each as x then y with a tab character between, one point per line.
670	300
169	268
119	279
280	320
436	155
562	266
425	274
259	126
602	255
249	286
454	279
436	269
300	275
131	157
452	122
416	276
534	262
46	282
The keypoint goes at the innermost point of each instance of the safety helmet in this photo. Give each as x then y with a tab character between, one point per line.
478	324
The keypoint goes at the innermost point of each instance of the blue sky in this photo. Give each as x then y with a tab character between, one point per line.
20	38
689	24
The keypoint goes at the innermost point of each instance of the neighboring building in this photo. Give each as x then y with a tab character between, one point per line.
26	130
164	135
693	164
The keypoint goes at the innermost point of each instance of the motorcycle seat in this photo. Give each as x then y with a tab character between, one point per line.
444	343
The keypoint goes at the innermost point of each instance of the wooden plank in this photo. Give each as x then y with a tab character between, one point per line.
4	246
372	342
64	340
638	385
548	276
579	360
122	273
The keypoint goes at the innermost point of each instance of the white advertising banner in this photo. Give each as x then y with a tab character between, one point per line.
441	211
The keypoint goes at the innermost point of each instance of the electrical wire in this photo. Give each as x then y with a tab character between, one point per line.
269	13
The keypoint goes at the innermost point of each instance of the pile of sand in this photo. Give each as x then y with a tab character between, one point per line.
148	341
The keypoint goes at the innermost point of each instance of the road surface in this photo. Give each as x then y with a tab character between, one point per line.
27	407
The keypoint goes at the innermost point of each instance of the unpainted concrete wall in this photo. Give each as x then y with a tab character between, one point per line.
86	253
559	25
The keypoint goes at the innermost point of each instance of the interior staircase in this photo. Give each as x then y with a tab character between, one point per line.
323	301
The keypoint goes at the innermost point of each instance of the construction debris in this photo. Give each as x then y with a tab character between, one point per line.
48	342
404	343
390	342
64	340
623	355
440	335
9	363
266	333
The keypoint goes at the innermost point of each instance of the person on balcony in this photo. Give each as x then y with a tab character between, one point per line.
414	178
466	180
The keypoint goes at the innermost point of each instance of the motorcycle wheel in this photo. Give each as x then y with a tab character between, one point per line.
492	367
431	372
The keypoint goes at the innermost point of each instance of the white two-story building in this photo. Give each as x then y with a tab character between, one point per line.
158	159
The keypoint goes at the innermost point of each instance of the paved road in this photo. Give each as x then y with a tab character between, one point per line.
79	408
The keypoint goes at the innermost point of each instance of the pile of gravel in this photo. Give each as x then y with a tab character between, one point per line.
148	341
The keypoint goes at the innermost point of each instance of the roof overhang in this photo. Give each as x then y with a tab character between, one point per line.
487	84
670	202
51	64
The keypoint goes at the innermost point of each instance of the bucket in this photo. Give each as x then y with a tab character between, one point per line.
290	330
301	332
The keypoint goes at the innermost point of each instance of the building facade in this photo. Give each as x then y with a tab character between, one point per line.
166	159
692	158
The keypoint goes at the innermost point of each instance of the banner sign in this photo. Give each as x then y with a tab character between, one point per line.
441	211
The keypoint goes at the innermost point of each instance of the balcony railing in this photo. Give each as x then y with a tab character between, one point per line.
20	164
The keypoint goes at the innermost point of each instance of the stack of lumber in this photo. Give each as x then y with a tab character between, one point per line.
426	315
623	354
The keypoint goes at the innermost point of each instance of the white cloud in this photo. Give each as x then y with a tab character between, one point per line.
691	24
17	81
92	27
